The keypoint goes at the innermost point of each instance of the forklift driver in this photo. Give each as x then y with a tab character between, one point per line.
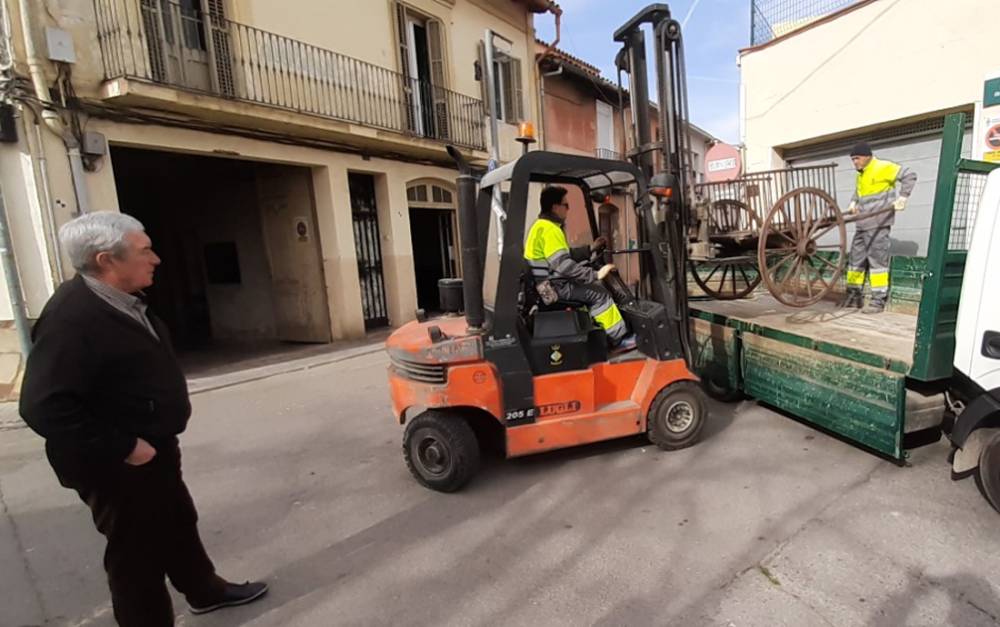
555	267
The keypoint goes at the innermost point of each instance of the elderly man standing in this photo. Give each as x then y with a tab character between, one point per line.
103	387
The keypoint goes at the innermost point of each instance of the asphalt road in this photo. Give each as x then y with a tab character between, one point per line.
299	479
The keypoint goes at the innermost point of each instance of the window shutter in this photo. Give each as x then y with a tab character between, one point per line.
439	96
517	111
154	23
404	52
218	26
435	49
507	80
483	76
405	87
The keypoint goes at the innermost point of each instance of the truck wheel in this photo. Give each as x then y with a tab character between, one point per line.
721	391
988	473
441	450
677	416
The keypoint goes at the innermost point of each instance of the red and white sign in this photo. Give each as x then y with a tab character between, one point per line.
993	138
722	163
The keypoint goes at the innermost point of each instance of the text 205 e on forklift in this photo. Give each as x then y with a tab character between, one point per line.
542	374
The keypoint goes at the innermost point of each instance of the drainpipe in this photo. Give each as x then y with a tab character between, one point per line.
541	98
557	12
38	152
51	118
13	279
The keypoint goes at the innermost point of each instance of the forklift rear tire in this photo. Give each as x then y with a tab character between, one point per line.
677	416
988	473
441	450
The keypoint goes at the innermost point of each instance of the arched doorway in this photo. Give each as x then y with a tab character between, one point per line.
433	233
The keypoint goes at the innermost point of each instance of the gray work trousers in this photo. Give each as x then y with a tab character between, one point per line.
870	252
602	309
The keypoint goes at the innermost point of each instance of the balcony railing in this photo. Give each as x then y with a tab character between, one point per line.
607	153
176	45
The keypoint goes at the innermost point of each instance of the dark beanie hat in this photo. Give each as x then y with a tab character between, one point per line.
861	149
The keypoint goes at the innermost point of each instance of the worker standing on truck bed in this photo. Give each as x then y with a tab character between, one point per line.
875	193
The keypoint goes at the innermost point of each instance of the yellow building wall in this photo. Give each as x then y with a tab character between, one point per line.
363	30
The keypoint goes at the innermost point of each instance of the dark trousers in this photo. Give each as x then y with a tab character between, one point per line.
602	308
147	515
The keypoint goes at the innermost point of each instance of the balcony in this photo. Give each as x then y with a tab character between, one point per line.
180	46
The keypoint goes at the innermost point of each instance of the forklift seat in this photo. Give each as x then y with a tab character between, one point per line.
532	299
561	305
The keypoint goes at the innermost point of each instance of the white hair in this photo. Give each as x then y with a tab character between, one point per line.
92	233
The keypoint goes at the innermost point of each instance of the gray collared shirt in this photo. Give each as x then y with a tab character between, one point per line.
130	305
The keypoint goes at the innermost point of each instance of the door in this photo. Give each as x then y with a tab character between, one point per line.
977	333
368	248
177	44
292	246
421	57
432	234
419	70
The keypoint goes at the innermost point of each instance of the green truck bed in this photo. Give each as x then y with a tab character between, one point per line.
871	379
843	371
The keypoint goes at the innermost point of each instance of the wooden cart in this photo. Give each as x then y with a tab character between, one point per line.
782	227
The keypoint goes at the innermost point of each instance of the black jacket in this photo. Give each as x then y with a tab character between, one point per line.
95	381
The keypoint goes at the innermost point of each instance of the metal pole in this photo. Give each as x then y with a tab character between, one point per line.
13	281
639	81
488	74
43	169
497	201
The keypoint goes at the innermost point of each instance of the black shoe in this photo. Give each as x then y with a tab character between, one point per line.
876	306
234	594
853	300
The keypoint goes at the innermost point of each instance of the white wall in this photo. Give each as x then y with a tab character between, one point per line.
886	61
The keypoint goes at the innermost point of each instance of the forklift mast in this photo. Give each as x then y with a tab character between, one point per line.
673	146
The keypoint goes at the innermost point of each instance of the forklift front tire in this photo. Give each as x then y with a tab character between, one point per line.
988	472
677	416
441	450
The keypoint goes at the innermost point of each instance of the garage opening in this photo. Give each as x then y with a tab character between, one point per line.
241	275
916	146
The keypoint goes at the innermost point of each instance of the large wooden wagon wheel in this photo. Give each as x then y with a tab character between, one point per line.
802	249
731	224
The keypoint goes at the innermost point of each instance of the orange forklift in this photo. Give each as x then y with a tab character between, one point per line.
541	377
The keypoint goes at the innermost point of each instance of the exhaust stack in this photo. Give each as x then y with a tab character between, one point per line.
468	227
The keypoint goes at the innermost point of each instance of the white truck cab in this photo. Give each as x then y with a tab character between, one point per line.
976	433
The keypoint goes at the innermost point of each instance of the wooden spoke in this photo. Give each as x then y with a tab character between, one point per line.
828	262
819	273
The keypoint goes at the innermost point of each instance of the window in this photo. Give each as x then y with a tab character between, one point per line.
430	195
507	85
605	126
421	59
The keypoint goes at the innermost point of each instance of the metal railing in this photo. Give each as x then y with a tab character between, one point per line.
760	191
773	18
167	43
607	153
